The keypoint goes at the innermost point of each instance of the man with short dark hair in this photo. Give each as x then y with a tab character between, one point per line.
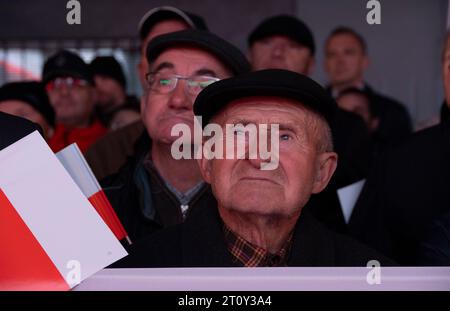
70	87
346	60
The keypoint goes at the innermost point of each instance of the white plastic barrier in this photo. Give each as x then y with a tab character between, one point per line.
270	279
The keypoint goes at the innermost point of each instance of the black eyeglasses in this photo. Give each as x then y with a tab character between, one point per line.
165	83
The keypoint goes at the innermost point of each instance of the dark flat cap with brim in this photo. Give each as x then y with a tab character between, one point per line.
271	82
285	25
227	53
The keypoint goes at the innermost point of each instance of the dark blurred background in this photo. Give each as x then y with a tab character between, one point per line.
404	50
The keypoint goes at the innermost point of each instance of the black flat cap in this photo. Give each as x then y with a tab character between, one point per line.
32	93
159	14
230	55
285	25
270	82
65	63
108	66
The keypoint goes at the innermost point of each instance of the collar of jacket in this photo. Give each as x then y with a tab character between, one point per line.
203	242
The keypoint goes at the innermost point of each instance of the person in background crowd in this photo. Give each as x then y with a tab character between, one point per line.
285	42
110	153
259	219
154	190
123	116
70	87
360	102
407	190
346	60
110	84
30	101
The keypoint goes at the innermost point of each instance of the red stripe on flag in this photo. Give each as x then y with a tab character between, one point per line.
109	216
24	265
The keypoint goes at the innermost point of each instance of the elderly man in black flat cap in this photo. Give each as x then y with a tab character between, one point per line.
154	190
259	219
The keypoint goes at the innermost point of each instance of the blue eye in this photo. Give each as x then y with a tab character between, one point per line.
285	137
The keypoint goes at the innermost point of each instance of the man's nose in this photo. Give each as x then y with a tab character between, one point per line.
179	99
278	49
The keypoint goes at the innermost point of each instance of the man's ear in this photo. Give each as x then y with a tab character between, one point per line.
205	168
326	165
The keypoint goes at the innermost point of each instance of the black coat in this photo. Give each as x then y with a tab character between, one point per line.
13	128
199	242
407	190
435	248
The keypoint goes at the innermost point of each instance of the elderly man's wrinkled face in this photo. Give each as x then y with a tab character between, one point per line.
241	186
345	60
281	52
164	108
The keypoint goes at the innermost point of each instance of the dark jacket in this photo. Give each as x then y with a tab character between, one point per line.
395	121
407	190
199	242
110	152
13	128
142	201
352	144
435	247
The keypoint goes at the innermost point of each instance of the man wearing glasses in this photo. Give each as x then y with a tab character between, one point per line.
69	85
153	190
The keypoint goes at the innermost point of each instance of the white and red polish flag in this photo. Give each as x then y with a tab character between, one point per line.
51	238
75	164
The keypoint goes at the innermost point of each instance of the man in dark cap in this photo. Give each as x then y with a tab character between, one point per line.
30	101
161	20
282	42
14	128
70	87
111	152
259	219
154	189
346	61
110	84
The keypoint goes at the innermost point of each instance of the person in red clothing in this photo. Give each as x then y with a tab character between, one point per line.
70	87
